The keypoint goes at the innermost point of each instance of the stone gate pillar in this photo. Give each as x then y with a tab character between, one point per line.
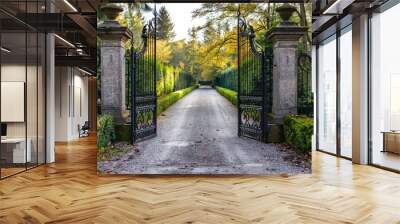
113	36
284	39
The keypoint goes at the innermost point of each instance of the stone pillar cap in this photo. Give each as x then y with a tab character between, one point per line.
113	30
286	33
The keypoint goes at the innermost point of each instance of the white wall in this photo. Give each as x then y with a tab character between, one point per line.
17	73
71	102
61	103
33	126
11	73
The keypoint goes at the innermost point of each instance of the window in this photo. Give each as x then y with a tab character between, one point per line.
22	77
385	89
327	95
346	92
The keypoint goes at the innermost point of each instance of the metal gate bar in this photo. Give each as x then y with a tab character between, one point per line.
143	86
254	84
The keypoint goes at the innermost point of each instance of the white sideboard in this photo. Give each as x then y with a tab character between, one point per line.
19	153
391	142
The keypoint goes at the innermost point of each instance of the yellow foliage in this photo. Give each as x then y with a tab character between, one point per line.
163	51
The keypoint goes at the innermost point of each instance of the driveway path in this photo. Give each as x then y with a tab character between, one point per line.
198	135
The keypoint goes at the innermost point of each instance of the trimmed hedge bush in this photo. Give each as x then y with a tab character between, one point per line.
122	132
298	131
166	101
105	131
228	94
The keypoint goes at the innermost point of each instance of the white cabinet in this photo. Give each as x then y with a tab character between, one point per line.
19	155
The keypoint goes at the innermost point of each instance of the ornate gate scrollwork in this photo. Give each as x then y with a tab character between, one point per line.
254	84
305	102
143	86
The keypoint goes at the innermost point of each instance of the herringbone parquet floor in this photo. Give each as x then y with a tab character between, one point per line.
70	191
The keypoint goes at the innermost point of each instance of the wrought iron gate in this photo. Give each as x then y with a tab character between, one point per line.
254	84
143	86
305	102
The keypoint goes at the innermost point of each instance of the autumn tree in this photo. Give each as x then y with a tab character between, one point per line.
193	56
219	48
165	27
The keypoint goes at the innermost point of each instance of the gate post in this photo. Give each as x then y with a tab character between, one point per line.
113	36
284	39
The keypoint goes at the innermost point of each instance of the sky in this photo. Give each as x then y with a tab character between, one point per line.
181	16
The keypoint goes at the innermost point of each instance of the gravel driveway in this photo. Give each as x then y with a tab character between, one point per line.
198	135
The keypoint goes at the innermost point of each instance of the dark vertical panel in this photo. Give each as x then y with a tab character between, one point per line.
369	78
73	90
46	2
1	54
37	91
239	68
338	120
26	79
154	67
316	97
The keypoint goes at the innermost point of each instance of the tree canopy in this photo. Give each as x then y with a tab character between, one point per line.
218	49
165	27
211	47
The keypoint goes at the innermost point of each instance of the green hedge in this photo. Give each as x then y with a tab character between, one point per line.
105	131
166	101
227	79
228	94
298	131
122	132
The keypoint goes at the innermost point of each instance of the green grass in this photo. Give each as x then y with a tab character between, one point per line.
228	94
166	101
298	131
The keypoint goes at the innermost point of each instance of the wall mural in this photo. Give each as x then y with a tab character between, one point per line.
204	93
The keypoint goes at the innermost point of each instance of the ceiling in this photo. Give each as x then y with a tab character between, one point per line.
74	22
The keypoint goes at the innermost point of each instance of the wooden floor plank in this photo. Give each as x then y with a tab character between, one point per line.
70	191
